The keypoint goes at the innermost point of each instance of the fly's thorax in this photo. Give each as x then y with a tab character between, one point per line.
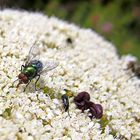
30	71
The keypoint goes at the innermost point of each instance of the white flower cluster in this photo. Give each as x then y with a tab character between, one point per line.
86	63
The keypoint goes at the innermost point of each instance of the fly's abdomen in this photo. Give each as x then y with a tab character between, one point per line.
37	65
30	72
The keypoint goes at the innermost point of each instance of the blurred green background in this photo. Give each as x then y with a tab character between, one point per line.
117	20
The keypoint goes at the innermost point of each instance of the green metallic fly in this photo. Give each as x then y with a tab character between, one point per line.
34	67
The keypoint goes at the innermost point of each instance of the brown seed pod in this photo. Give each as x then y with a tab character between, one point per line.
96	111
81	100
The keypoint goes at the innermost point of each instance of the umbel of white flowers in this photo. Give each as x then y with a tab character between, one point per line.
86	63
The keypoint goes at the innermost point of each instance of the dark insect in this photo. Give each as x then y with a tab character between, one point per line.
65	101
135	67
69	40
33	68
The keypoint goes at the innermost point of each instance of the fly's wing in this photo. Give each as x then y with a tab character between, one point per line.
34	52
48	66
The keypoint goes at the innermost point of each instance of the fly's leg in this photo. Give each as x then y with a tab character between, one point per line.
14	82
41	87
27	85
36	82
67	110
22	67
69	113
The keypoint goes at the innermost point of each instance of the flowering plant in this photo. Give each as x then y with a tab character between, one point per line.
86	63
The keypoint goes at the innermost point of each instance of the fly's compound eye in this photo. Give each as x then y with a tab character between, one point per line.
22	77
